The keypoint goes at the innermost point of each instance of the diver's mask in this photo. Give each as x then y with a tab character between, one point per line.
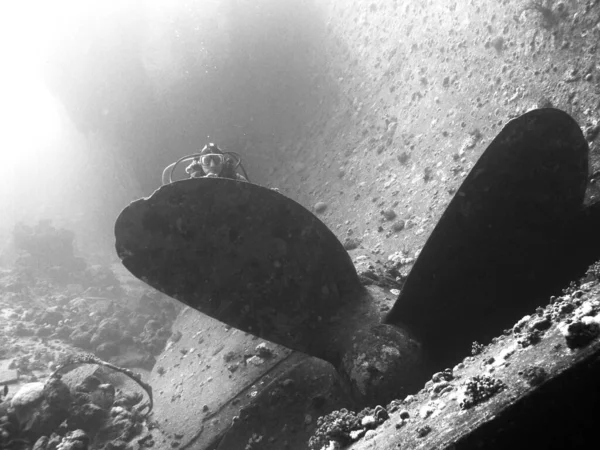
216	158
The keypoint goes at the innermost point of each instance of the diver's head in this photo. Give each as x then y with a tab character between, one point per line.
212	160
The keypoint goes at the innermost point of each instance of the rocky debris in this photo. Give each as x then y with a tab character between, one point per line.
388	274
531	337
26	399
399	259
478	389
154	337
114	331
476	348
39	408
45	250
581	332
591	132
388	214
73	360
398	226
403	158
530	329
91	414
534	375
423	431
541	324
592	274
351	243
372	275
344	427
440	377
264	351
48	253
72	440
101	279
8	376
320	207
45	318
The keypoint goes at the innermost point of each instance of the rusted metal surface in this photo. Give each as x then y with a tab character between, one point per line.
214	389
202	380
505	240
548	400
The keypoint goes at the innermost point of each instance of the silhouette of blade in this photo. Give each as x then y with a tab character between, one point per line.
243	254
501	242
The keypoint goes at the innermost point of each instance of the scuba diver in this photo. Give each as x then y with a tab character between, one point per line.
211	162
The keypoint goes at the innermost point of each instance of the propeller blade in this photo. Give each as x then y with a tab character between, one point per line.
242	254
502	240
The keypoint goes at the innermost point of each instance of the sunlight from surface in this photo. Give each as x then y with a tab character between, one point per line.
38	147
29	32
31	117
49	168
